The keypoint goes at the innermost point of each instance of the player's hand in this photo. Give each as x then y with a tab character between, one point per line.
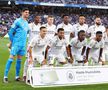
44	62
9	45
85	60
71	60
102	62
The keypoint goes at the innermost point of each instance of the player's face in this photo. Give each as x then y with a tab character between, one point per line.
99	37
50	20
61	34
66	19
38	19
98	21
81	19
25	14
82	36
43	32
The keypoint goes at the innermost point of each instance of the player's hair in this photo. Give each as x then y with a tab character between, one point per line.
97	17
36	15
81	31
81	16
64	15
60	29
98	32
50	16
42	28
24	9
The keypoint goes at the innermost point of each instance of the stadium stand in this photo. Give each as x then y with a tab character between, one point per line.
87	2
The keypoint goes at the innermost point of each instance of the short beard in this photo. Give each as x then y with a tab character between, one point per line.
98	24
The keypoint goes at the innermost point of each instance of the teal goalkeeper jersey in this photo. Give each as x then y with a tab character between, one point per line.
18	32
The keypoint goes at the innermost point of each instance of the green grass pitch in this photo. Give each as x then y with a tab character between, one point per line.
13	85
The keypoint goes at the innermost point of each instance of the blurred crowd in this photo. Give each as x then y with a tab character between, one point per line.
7	17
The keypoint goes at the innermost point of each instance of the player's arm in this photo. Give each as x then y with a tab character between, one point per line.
100	54
87	54
83	50
46	54
30	55
13	30
69	53
31	45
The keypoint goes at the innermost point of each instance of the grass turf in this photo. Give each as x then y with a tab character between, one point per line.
13	85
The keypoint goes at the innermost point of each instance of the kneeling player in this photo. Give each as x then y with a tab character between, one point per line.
37	48
77	47
95	49
54	49
106	44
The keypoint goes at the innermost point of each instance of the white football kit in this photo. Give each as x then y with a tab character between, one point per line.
38	45
51	30
56	51
76	49
77	27
95	49
34	31
94	28
67	29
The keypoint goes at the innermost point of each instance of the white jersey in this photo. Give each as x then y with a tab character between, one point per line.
51	30
94	28
77	45
95	47
56	45
34	30
39	44
77	27
106	42
67	29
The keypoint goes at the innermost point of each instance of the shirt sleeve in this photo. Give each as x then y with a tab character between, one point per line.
72	42
90	29
33	42
52	42
13	30
91	43
102	44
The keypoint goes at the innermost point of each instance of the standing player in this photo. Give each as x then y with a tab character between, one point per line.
51	28
54	49
79	26
34	27
66	26
34	31
95	49
94	28
37	47
18	41
77	47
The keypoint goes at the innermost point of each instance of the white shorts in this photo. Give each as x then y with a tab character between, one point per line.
76	59
37	59
59	58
